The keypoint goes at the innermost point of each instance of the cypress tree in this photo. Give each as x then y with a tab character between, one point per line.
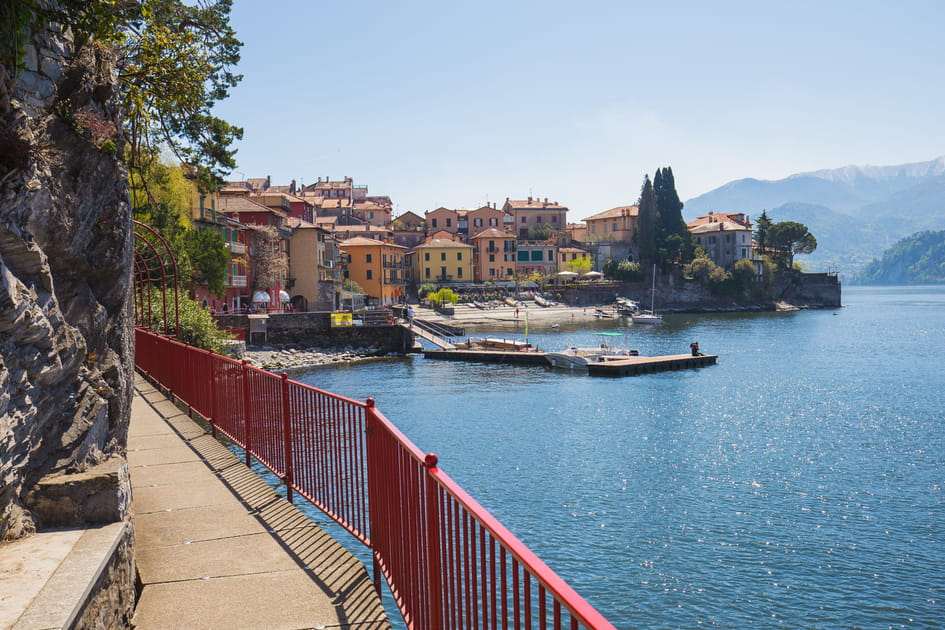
647	220
670	222
762	225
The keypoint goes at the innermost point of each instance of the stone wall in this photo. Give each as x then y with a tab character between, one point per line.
313	330
66	340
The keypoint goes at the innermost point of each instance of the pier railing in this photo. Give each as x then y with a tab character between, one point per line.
447	561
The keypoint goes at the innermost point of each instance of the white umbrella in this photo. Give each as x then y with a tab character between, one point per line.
567	274
261	296
593	274
283	296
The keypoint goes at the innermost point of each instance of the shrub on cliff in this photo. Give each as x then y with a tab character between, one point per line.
197	326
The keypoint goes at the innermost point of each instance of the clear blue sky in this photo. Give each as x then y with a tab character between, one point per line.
457	102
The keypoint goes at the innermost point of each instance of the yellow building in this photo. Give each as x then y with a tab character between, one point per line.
443	261
616	225
378	268
567	255
495	255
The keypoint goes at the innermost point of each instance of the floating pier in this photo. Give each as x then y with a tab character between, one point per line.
630	366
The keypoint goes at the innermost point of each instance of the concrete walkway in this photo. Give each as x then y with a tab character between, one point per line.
217	547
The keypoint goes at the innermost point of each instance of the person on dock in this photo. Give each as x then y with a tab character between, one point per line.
694	346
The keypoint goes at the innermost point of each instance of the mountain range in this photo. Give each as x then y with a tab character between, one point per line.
854	212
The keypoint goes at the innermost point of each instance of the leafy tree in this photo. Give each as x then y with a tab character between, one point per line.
174	65
443	296
788	238
209	257
762	226
426	289
352	286
541	232
743	274
580	265
623	270
647	223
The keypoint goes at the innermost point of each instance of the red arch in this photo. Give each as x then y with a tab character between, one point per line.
154	268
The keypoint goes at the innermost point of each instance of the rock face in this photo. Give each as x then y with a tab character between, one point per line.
66	342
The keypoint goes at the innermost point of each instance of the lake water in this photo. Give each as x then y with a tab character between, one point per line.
798	483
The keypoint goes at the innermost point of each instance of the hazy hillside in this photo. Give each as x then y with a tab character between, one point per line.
855	212
917	259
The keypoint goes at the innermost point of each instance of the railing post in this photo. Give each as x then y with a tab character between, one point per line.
433	543
246	410
213	393
289	479
189	377
370	426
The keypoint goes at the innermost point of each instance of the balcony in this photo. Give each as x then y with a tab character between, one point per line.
444	278
236	248
236	281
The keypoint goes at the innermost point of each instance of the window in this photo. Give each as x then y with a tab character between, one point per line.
492	271
493	222
728	238
426	256
449	223
564	257
536	255
459	255
442	256
711	240
443	272
510	272
426	271
522	255
459	272
491	257
551	256
538	219
370	274
432	222
614	227
554	218
477	222
369	258
523	220
744	253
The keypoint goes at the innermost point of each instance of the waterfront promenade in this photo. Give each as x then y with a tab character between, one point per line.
217	547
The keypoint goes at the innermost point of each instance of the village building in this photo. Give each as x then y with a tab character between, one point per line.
536	257
536	219
314	282
494	255
442	219
443	261
378	268
236	236
725	237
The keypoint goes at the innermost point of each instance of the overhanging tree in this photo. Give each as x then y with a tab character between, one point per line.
787	238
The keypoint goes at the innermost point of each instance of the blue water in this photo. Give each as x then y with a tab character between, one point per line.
798	483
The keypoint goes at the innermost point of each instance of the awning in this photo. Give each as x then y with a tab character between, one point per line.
283	296
261	296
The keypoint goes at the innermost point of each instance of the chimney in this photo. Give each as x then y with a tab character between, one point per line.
292	187
268	181
529	199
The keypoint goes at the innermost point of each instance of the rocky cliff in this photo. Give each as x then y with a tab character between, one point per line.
66	246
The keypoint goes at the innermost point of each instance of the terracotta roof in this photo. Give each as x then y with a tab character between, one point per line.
572	250
408	214
534	204
721	226
295	222
443	243
493	233
244	204
738	218
613	213
361	241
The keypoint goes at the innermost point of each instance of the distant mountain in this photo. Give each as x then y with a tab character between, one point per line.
855	212
917	259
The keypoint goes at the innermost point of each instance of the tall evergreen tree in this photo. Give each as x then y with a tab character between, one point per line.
762	225
647	223
673	237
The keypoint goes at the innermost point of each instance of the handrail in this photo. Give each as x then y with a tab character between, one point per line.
447	561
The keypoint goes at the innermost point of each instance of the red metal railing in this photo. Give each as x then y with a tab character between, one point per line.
447	561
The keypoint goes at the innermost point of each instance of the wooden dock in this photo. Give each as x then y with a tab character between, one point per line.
488	356
631	366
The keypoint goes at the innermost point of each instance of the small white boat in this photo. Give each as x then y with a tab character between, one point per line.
575	358
646	317
650	316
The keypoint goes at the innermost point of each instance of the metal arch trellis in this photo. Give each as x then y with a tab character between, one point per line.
154	269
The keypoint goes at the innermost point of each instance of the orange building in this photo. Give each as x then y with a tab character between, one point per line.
378	268
494	255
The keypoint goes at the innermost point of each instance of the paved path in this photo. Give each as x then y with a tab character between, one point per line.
217	547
